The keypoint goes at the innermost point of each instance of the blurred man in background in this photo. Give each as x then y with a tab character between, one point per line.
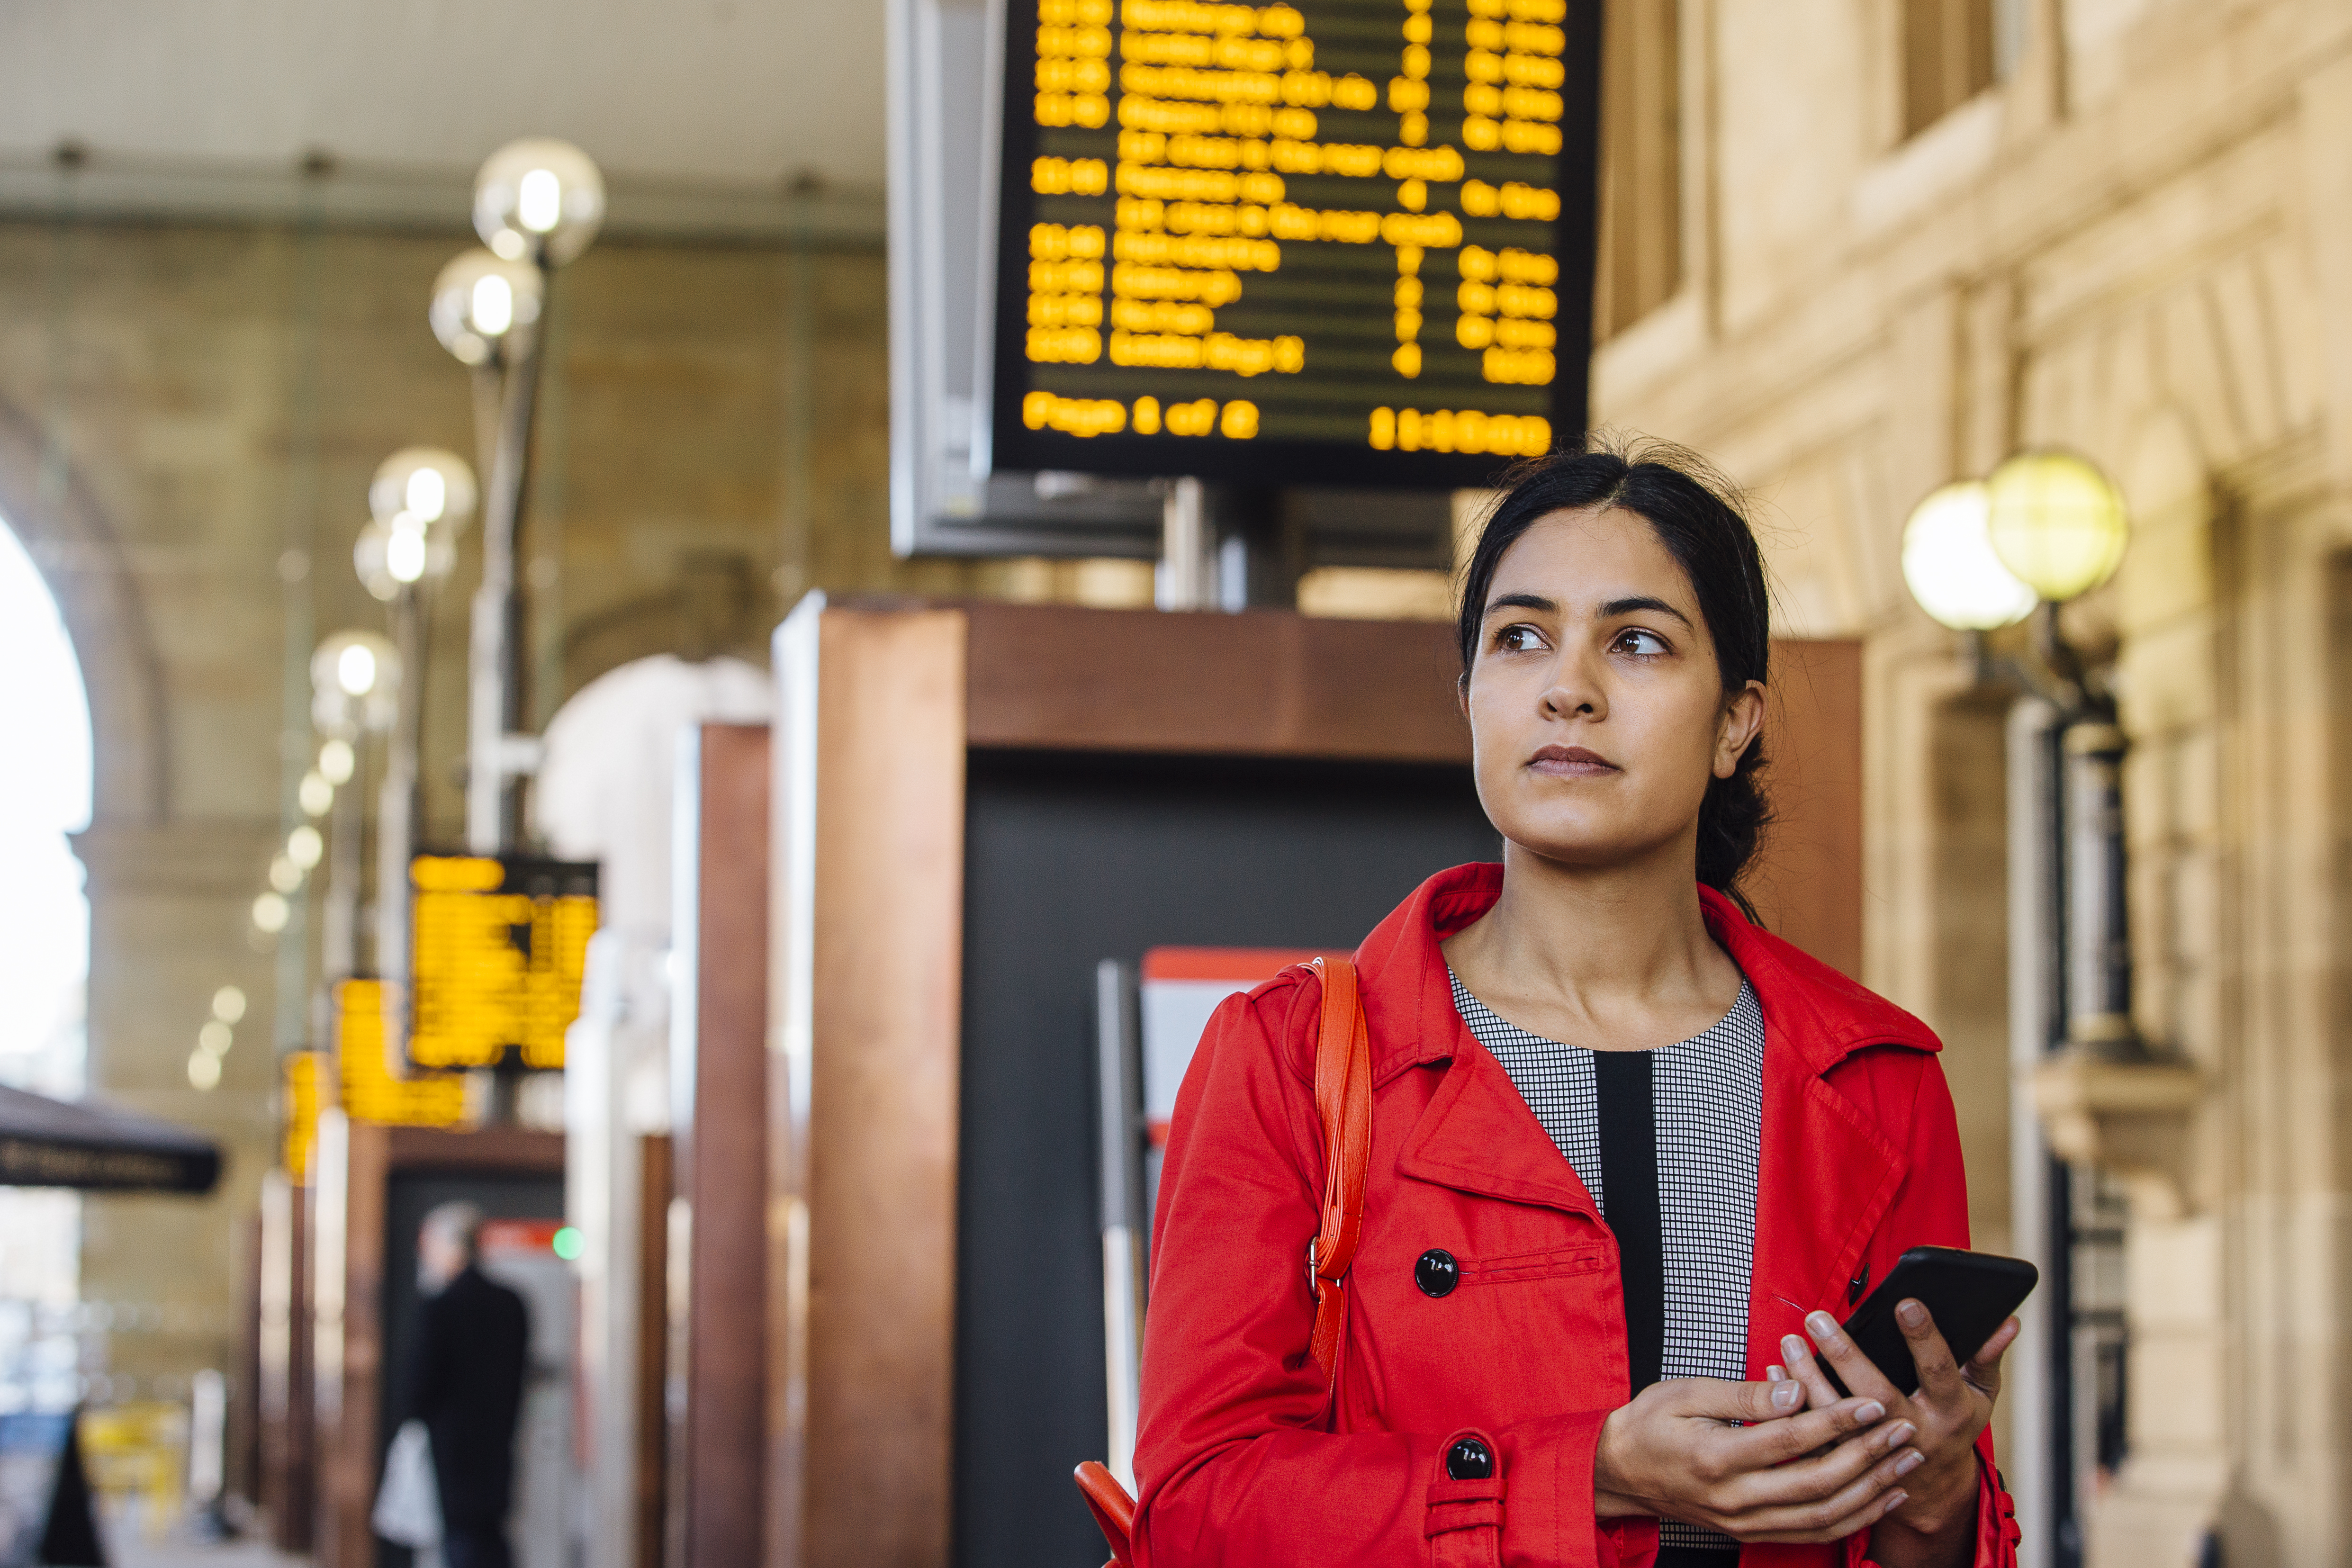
466	1385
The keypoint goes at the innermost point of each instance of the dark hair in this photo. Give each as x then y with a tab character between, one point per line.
1691	509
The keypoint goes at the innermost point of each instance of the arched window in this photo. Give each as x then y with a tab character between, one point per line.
45	793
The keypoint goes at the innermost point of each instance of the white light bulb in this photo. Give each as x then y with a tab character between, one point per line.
336	762
229	1004
316	793
493	305
1949	564
539	200
304	846
269	913
428	495
204	1070
355	669
403	553
284	875
214	1038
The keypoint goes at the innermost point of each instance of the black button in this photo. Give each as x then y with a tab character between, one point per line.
1437	1272
1469	1460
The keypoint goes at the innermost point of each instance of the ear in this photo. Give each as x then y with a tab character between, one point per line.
1462	694
1743	720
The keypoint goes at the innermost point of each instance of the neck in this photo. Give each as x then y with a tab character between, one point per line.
1611	953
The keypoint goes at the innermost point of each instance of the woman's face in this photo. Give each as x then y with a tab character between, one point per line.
1597	712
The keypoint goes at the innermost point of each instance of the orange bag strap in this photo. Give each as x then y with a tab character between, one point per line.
1343	1103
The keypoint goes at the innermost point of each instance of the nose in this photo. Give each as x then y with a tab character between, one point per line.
1575	689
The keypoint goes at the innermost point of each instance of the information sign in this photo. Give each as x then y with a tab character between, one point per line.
1341	242
501	945
369	1091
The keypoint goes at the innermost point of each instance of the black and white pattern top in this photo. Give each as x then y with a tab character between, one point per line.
1666	1142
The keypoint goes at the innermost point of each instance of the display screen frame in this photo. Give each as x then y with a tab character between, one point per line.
1007	376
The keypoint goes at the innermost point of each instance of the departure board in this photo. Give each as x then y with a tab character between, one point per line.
500	946
365	1086
1335	242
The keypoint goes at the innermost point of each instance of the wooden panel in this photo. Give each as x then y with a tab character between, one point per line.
886	987
1807	883
723	1150
653	1348
1257	684
288	1489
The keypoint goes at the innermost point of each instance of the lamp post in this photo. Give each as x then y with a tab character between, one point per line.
2044	527
538	203
421	497
355	691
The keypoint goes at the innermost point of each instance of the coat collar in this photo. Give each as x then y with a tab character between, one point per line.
1826	1174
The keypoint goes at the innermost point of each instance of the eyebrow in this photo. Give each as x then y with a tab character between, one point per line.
1608	612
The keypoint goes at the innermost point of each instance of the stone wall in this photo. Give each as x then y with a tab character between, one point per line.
2138	245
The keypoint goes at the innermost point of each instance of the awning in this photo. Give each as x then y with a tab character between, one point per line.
47	1142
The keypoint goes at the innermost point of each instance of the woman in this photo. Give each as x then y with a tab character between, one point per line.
1632	1157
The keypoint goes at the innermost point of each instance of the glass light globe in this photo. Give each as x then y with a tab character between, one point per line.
228	1004
336	762
2057	523
1949	565
269	913
539	199
355	683
305	846
433	486
390	556
477	298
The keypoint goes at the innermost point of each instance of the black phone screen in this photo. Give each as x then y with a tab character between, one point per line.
1970	1295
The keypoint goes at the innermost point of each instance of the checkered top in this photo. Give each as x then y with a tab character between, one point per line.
1708	1093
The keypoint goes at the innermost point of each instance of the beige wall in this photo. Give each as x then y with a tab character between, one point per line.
2140	245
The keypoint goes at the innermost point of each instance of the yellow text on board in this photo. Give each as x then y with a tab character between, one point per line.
496	963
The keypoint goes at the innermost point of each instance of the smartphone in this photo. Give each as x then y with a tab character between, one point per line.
1970	1295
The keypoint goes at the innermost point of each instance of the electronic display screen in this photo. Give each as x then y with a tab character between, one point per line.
1333	242
501	945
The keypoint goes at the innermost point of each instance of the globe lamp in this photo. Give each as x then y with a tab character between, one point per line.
2056	521
355	683
539	200
478	299
431	485
1949	564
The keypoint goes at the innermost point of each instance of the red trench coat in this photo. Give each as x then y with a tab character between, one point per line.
1246	1458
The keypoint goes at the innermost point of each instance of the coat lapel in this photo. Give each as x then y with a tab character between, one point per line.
1824	1179
1478	1136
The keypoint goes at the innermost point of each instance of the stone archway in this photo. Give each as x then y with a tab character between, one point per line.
74	544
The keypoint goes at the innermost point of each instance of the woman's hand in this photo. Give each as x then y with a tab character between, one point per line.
1937	1526
1792	1474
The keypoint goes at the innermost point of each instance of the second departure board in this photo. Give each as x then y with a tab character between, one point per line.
1336	242
501	948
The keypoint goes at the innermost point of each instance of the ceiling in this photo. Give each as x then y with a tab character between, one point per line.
692	92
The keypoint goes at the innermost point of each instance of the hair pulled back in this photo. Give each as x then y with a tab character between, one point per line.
1691	509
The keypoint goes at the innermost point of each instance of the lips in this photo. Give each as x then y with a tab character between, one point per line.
1571	763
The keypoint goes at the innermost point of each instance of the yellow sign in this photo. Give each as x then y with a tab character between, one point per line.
305	1081
370	1092
500	947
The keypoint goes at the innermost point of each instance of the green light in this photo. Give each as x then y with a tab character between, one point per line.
567	1243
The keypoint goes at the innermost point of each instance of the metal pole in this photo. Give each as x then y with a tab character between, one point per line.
395	829
494	682
1187	562
2099	973
339	937
2040	1475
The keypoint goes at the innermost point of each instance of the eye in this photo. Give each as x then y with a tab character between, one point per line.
1633	640
1518	637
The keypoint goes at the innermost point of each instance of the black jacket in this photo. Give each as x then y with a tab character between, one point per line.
466	1385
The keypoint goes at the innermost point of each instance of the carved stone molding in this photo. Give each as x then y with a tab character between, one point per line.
2127	1116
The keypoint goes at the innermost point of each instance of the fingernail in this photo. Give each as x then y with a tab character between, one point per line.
1908	1463
1775	1374
1786	1395
1821	1326
1911	1314
1793	1348
1901	1432
1872	1411
1896	1501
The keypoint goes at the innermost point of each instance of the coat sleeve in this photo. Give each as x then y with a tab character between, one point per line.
1931	1210
1232	1460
